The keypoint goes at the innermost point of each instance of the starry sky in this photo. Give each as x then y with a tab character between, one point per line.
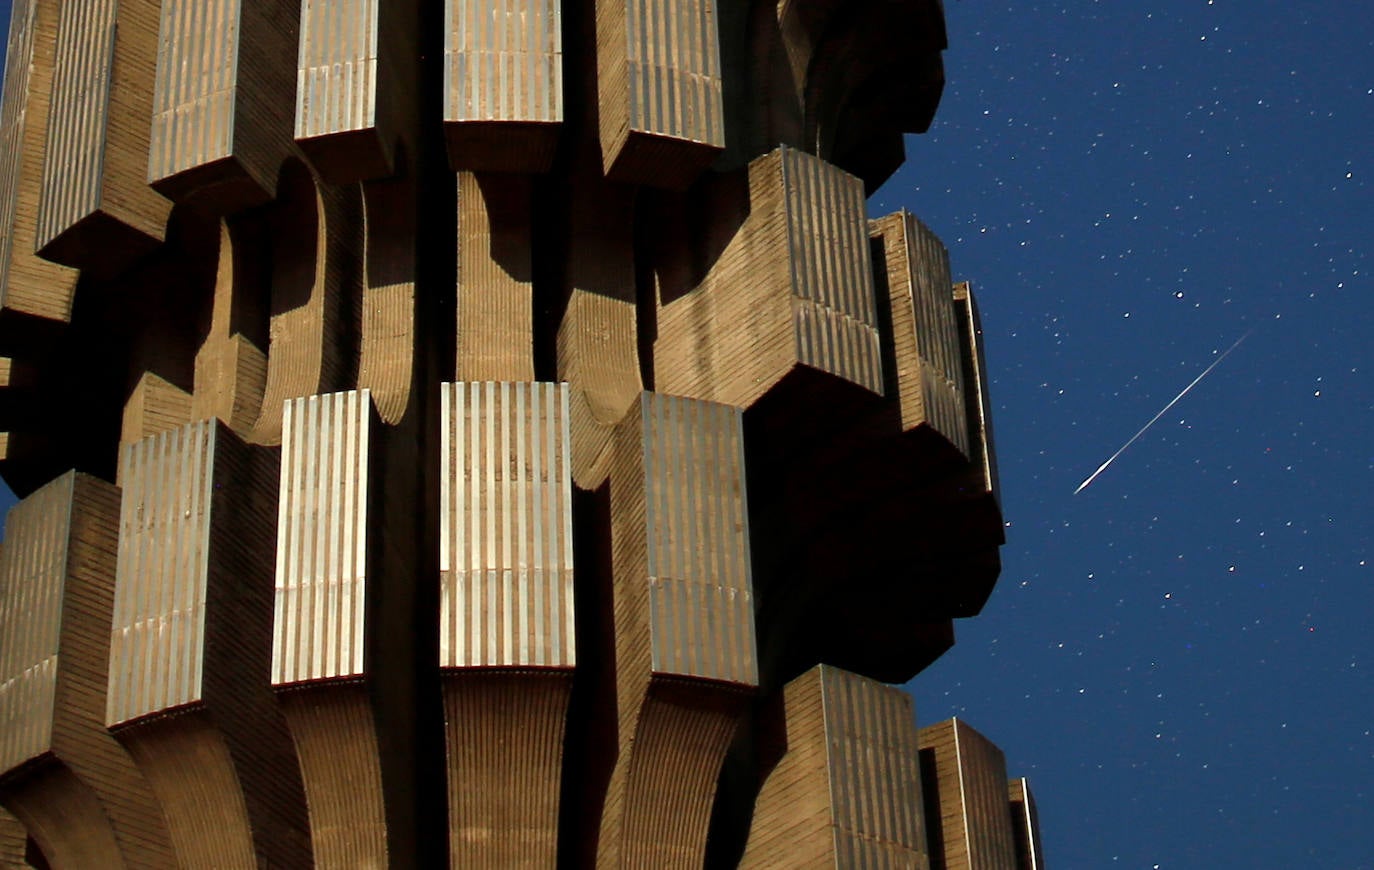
1178	656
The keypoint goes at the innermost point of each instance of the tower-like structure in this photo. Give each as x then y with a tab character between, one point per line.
487	433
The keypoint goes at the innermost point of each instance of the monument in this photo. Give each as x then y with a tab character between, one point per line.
484	433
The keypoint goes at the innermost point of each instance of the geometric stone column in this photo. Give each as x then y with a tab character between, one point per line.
847	791
75	788
1025	823
97	211
792	289
685	663
964	779
507	642
222	106
324	597
659	89
192	643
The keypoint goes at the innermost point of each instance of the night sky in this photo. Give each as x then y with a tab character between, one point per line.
1177	656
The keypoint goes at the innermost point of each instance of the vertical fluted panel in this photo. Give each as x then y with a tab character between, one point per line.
834	311
76	123
964	776
33	566
222	105
659	79
505	518
28	284
793	287
336	79
928	350
322	538
193	117
847	792
157	636
673	54
875	778
503	82
700	595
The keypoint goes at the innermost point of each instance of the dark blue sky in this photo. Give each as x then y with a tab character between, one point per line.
1178	656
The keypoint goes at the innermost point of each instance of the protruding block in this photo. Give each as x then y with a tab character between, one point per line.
31	289
847	789
503	83
324	550
507	637
352	90
659	88
928	349
1025	825
97	211
192	644
964	780
60	771
792	288
682	599
222	105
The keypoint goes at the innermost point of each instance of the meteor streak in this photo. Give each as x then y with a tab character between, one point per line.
1205	372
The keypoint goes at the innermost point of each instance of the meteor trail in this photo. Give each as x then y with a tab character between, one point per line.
1205	372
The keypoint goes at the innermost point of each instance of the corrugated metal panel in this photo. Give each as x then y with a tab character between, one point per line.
875	779
193	103
673	54
504	61
76	121
834	311
505	519
700	589
33	565
157	636
336	80
322	538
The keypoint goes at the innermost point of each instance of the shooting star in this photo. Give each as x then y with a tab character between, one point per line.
1205	372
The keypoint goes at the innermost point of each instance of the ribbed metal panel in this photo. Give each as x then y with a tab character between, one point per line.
193	103
696	513
336	80
32	571
834	312
505	519
157	636
504	61
673	54
76	121
875	777
322	538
